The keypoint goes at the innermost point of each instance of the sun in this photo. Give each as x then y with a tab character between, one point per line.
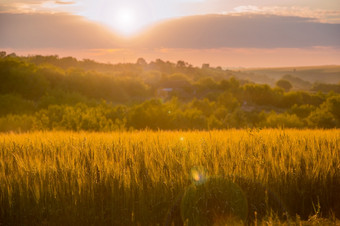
124	21
124	18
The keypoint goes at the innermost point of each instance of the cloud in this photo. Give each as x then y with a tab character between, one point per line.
35	6
53	31
323	11
195	32
246	8
242	31
20	5
64	3
321	15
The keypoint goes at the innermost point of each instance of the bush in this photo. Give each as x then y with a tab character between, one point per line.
275	120
18	123
15	104
284	84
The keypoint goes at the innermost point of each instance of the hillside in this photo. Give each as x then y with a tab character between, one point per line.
48	93
322	74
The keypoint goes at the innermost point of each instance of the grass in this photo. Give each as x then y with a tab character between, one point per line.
158	178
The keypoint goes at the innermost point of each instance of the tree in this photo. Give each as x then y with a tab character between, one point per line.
321	118
302	111
141	61
284	84
205	66
2	54
181	64
332	105
326	88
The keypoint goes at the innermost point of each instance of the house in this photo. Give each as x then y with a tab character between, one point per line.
164	92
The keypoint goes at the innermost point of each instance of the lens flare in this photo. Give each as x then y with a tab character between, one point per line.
215	201
198	175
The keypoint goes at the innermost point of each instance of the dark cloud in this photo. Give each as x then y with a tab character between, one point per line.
196	32
242	31
52	31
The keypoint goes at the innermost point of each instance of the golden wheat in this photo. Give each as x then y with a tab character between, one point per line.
131	178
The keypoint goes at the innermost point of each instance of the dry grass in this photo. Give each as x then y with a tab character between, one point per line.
140	178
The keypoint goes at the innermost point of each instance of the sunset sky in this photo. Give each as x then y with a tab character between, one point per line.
266	33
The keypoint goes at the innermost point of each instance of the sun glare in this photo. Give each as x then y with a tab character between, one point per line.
125	21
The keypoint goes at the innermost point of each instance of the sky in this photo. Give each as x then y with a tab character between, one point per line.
130	18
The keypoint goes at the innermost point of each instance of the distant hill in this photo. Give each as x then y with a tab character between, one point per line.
322	74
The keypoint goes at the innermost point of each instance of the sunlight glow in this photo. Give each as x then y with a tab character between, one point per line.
125	21
198	176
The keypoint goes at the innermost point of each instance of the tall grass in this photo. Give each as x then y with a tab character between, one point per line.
140	178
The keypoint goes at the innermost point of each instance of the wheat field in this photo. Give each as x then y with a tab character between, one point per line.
169	178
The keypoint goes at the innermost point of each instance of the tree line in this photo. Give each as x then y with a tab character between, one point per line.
52	93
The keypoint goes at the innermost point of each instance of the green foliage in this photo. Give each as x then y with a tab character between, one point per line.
282	121
333	106
284	84
205	106
67	94
81	117
227	100
327	115
326	87
16	123
302	111
321	118
151	114
301	98
262	94
21	78
59	97
232	85
14	104
297	82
